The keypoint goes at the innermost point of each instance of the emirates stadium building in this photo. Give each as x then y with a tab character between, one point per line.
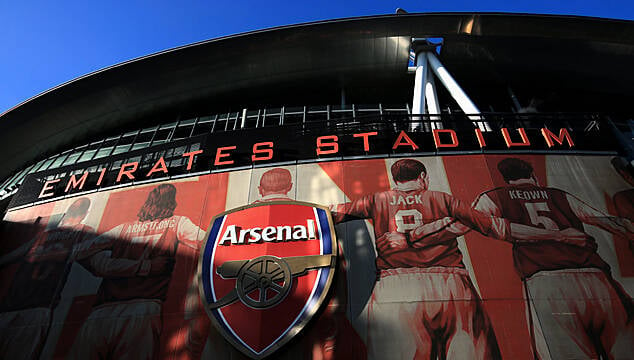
410	186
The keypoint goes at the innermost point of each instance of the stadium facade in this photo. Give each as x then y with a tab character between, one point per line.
404	186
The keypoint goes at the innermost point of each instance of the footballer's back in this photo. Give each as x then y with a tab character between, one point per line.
534	205
402	211
547	208
141	240
148	238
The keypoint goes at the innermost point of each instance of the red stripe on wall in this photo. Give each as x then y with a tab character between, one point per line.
492	260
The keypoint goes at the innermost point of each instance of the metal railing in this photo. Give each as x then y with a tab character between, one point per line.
339	118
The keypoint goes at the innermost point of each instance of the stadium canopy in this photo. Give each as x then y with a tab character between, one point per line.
587	58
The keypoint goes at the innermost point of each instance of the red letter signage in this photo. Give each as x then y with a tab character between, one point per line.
322	142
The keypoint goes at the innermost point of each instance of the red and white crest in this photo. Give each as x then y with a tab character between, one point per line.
265	270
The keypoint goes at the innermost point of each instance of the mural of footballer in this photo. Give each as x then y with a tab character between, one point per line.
328	333
331	336
580	309
275	184
583	312
424	306
126	321
26	310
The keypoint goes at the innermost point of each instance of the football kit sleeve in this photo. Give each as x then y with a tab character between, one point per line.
103	265
592	216
526	233
357	209
442	229
436	232
496	227
450	227
92	246
188	233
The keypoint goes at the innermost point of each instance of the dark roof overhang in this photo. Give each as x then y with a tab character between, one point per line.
309	59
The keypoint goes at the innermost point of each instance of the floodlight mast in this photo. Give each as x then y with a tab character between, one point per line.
425	99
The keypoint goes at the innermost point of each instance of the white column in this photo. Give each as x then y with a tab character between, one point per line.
456	91
431	98
418	103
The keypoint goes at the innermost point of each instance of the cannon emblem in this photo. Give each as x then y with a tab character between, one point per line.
264	281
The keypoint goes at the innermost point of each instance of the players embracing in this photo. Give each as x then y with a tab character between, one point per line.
424	304
126	319
581	310
576	310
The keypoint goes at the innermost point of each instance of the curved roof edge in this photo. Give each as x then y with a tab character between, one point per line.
339	51
291	26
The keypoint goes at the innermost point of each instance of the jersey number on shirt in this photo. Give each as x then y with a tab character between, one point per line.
534	210
407	220
146	239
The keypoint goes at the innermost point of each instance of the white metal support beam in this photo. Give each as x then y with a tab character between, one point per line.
431	97
425	100
465	103
420	79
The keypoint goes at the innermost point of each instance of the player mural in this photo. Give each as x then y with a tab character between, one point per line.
461	256
582	311
442	299
332	336
275	184
140	262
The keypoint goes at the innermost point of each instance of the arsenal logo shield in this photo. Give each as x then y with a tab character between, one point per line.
265	270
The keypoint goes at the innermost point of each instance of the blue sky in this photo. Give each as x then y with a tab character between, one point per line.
46	43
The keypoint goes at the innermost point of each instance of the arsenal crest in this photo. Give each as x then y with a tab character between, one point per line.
265	270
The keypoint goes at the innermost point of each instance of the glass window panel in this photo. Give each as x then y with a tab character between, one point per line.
58	162
318	108
149	130
205	119
144	137
38	165
194	147
168	153
168	126
187	122
72	158
126	140
116	164
2	186
161	135
221	123
87	155
177	162
14	179
103	152
202	128
182	132
46	164
179	151
134	159
293	118
140	145
121	149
